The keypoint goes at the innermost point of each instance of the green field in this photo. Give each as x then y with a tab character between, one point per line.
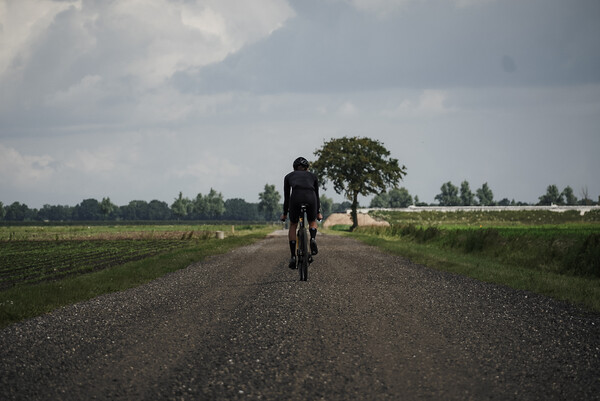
556	254
42	268
109	231
489	218
30	262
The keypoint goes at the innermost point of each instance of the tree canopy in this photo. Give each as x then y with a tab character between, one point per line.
448	195
467	198
570	198
485	195
356	166
552	196
107	207
326	205
269	202
395	198
181	206
212	206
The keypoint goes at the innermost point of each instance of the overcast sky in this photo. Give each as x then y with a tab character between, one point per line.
138	100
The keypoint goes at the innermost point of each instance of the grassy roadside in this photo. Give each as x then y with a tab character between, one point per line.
26	301
488	218
111	231
560	262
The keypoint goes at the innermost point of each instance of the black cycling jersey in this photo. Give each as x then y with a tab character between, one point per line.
299	187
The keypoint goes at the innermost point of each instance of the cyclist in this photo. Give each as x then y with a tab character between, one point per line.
301	186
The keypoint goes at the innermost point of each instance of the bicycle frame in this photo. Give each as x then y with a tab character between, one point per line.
304	256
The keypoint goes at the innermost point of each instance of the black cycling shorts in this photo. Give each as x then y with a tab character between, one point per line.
297	199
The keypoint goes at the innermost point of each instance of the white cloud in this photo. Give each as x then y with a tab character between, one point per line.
429	103
141	99
92	61
384	8
469	3
347	109
380	7
25	171
97	161
432	101
21	23
166	36
209	166
88	86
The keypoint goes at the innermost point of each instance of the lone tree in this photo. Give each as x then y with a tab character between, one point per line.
356	166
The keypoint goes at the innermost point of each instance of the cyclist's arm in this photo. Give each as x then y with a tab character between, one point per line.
316	186
286	195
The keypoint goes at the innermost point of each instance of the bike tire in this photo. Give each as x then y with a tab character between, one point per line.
303	254
306	256
299	239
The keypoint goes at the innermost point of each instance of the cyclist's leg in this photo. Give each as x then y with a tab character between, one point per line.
312	225
292	236
292	231
294	213
312	229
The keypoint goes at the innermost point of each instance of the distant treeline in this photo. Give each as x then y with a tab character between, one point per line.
212	206
451	195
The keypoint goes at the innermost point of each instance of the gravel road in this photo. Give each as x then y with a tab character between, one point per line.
367	325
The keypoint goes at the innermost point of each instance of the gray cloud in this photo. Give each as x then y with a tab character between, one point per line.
508	64
97	61
141	100
335	47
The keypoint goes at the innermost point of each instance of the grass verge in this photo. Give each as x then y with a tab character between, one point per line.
26	301
544	270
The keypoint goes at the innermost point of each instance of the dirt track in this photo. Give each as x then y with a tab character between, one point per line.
366	325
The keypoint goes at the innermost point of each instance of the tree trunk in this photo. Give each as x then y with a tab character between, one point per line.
354	213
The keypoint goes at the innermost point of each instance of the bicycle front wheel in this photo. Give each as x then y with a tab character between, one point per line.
303	253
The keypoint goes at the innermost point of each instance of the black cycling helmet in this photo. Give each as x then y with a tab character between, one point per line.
301	162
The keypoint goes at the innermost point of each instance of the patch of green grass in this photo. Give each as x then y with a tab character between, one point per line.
561	261
488	218
99	231
341	227
28	300
29	262
582	291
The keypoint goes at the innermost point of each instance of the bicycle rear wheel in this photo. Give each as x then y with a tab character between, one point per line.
303	253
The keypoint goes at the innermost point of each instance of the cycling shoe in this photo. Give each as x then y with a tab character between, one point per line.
313	247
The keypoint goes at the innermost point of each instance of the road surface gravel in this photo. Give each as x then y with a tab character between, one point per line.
365	326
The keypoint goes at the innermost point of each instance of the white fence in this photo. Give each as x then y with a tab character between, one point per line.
417	209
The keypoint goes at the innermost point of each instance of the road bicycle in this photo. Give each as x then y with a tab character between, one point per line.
304	258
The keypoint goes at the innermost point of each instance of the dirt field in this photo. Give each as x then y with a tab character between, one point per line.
345	219
366	326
